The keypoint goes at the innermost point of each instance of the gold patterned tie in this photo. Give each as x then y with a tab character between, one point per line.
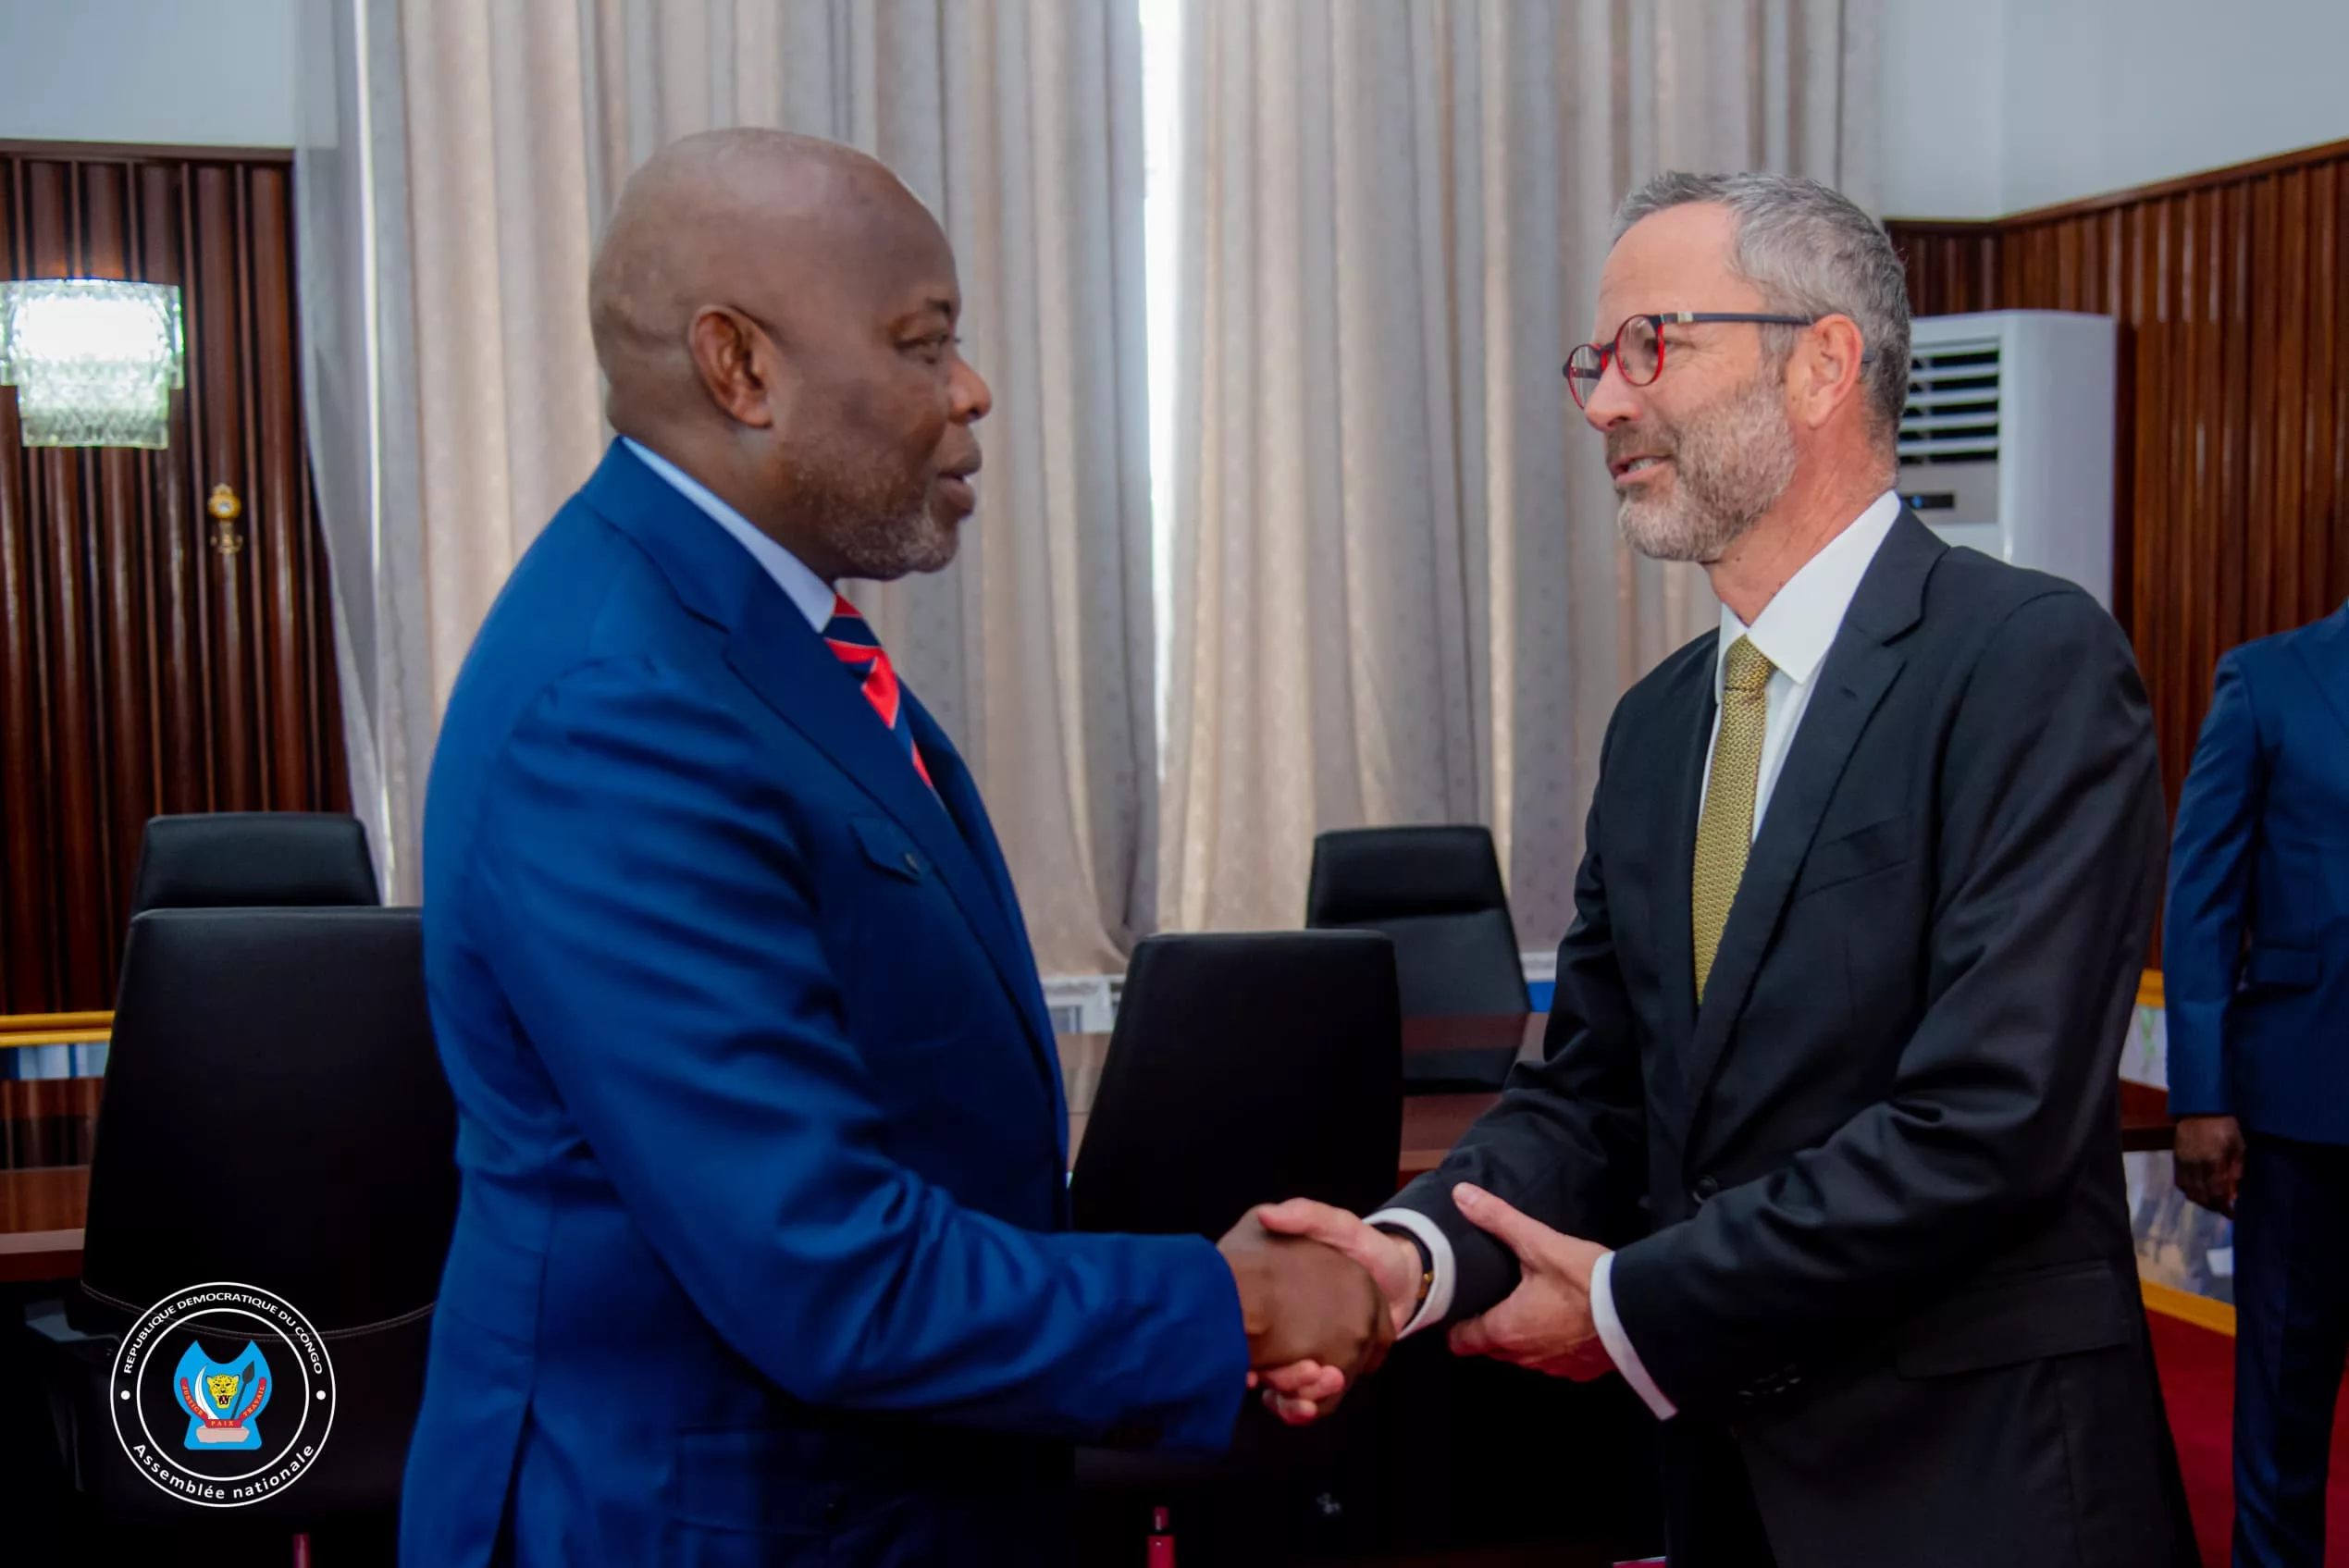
1725	830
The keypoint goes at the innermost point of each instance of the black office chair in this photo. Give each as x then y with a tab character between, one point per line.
242	859
275	1115
1437	891
1243	1069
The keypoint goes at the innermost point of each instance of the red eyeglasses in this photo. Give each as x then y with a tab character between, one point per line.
1638	348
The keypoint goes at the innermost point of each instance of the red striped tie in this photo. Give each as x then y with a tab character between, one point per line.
851	638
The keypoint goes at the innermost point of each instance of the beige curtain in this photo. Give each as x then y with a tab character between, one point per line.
1019	122
1399	594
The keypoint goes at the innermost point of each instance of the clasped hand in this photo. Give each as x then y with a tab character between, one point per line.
1545	1324
1304	1304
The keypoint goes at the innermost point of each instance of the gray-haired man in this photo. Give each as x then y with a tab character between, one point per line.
1832	1063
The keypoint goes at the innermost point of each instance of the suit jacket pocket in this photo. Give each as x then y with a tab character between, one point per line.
2053	1312
889	848
2283	969
1849	856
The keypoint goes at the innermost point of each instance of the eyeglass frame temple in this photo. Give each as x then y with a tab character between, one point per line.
1688	319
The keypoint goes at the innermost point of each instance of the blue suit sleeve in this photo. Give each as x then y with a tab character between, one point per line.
2210	865
658	943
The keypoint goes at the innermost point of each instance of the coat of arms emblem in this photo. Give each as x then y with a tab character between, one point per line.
222	1397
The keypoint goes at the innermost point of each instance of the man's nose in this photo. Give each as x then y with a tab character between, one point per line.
1612	400
973	400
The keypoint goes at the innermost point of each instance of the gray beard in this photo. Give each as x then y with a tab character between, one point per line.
882	550
1732	462
882	527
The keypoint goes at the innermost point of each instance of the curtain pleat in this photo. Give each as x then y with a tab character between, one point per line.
502	135
1399	592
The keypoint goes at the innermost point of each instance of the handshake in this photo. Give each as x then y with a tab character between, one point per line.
1323	1295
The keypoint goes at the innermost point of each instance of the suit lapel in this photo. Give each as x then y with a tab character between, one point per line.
1861	667
1691	704
2325	653
961	793
782	659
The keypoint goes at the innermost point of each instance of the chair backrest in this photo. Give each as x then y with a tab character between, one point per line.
1244	1069
274	1115
244	859
1437	891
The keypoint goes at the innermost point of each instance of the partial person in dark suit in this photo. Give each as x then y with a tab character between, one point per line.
1868	876
2256	984
763	1254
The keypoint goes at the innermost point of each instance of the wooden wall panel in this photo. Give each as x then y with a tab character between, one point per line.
2231	288
148	664
51	1121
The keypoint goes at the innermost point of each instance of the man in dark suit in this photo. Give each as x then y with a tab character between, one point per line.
1832	1065
2256	981
762	1255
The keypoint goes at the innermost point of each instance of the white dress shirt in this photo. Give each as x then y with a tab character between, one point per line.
1794	632
798	580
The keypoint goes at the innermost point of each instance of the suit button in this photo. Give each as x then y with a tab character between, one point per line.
913	862
1705	1190
832	1511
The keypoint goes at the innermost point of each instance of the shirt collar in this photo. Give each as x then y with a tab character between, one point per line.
1797	627
808	593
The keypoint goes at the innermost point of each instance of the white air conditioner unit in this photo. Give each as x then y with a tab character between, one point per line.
2007	444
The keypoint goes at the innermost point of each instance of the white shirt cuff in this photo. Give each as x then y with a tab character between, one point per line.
1430	1235
1618	1343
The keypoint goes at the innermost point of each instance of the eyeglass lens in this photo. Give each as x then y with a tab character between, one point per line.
1638	353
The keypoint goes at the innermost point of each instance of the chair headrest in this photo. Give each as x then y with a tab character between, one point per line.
1373	873
233	859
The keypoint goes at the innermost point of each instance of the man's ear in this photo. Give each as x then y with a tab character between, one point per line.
1828	369
736	362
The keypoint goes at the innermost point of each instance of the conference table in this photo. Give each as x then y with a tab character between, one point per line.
42	1209
1433	1121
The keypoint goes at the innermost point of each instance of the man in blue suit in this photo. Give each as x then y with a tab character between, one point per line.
2256	979
762	1255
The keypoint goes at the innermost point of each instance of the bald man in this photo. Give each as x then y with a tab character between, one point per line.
762	1255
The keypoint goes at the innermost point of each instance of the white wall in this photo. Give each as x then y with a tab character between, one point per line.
204	72
1943	121
2178	86
1995	106
1990	106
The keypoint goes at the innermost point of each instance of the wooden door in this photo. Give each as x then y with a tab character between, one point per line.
151	659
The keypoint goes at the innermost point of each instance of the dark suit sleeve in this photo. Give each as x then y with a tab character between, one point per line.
1567	1142
2210	868
674	985
2049	853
